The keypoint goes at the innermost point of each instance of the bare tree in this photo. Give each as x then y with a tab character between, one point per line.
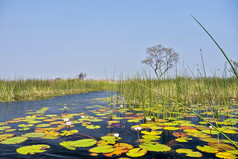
82	75
160	59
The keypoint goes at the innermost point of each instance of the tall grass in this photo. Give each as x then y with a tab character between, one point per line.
32	89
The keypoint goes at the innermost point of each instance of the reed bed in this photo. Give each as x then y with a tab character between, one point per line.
33	89
185	90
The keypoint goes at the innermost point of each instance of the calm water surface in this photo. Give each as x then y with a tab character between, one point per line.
78	104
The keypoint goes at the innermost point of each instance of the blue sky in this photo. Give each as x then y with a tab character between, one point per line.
59	38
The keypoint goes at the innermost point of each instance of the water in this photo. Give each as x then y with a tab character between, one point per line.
78	104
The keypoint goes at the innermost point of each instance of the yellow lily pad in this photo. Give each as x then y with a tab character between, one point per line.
152	132
32	149
156	147
14	140
207	149
189	152
136	152
171	128
225	155
33	135
68	132
102	149
6	136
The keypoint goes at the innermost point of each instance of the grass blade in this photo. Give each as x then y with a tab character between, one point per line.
218	47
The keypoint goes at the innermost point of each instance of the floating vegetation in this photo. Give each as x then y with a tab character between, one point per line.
134	130
32	149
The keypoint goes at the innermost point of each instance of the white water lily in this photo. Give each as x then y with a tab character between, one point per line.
68	123
137	128
82	116
148	119
121	106
116	135
66	119
210	127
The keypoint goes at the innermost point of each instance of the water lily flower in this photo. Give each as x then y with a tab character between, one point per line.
82	116
116	135
210	127
137	128
148	119
121	106
66	119
67	124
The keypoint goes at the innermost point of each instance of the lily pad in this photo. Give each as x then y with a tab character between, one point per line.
93	127
207	149
156	147
14	140
68	132
83	143
171	128
183	139
110	138
136	152
152	132
32	149
151	137
120	148
225	155
189	152
6	136
33	135
42	125
102	149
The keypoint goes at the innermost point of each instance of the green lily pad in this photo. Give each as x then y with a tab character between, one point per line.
6	136
110	138
83	143
136	152
66	144
50	137
213	132
207	149
151	133
151	137
133	120
42	125
171	128
32	149
23	129
68	132
183	139
93	127
189	152
14	140
10	130
33	135
156	147
102	149
235	152
226	155
5	127
25	125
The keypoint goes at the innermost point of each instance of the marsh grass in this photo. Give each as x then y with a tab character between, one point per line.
33	89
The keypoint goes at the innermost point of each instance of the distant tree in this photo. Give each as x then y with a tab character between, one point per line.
160	59
82	75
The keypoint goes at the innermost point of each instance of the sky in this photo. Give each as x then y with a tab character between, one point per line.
47	39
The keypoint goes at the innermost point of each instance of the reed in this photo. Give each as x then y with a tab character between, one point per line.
33	89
